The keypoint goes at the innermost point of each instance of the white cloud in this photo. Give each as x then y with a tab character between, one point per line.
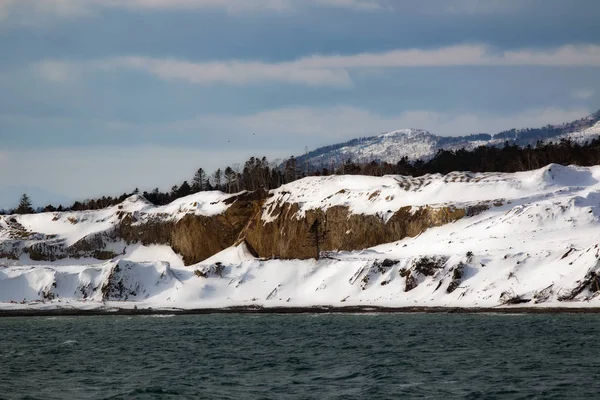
34	11
362	5
321	70
462	55
245	5
233	72
228	72
5	6
583	94
58	72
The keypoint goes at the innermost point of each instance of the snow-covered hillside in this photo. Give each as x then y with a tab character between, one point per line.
100	234
536	244
583	135
420	144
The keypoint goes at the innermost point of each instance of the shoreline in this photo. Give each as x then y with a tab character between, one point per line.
62	312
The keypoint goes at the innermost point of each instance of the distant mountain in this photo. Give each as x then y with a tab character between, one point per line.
420	144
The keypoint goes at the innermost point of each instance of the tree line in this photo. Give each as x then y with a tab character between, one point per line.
258	173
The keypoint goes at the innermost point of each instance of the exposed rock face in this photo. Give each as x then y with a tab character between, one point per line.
196	237
199	237
91	246
290	237
279	229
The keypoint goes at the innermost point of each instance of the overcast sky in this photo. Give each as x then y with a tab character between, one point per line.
102	96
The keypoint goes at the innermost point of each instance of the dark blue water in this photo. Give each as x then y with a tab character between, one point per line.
301	357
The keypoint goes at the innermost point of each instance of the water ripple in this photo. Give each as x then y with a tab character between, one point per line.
301	356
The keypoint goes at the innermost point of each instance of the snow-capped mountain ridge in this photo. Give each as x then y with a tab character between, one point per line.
421	144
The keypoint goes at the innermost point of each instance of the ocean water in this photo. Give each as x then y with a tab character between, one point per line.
325	356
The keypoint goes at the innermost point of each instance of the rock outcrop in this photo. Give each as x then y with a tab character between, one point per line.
289	236
300	220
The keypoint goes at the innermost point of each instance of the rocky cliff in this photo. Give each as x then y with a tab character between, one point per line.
468	240
299	220
272	224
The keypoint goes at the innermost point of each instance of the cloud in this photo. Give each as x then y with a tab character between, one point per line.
233	72
228	72
58	72
320	70
33	9
78	8
462	55
33	12
245	5
583	94
5	6
361	5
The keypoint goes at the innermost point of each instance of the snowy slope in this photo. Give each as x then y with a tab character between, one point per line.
81	234
540	246
417	144
74	225
378	195
581	136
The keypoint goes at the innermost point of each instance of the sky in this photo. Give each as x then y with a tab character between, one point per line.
98	97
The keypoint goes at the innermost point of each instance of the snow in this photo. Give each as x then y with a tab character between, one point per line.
232	256
202	203
582	136
141	253
392	146
73	226
417	144
378	195
539	243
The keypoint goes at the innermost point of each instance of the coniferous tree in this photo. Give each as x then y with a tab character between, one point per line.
291	171
230	179
184	190
198	181
217	177
49	208
24	206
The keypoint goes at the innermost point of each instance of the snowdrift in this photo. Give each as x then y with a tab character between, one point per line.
119	281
